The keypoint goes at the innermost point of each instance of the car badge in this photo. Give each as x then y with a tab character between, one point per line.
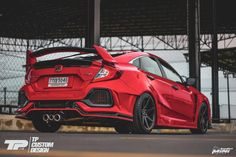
58	68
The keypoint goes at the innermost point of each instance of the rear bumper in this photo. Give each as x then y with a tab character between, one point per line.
119	107
78	111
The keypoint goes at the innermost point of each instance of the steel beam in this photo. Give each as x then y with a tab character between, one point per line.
193	27
215	67
93	23
228	94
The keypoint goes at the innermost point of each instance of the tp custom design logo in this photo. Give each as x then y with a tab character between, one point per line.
16	144
32	145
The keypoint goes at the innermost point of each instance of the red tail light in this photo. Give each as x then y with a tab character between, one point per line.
30	77
29	62
107	73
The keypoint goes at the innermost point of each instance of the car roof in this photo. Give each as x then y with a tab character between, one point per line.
128	56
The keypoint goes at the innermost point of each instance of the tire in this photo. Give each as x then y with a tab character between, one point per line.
122	129
144	115
42	126
202	125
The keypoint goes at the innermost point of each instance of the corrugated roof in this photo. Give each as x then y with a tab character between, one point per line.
67	19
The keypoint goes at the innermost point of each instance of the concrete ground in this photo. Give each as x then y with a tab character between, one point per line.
10	123
116	145
95	142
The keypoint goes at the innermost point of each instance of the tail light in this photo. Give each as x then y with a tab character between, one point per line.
107	73
102	73
30	77
29	62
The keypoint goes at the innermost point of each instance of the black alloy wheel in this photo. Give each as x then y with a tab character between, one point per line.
202	121
144	115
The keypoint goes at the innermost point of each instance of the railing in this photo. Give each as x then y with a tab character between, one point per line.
8	109
8	97
8	101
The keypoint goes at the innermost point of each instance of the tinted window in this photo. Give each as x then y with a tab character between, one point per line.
170	72
136	63
150	65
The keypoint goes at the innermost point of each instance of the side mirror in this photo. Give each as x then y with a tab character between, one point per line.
190	81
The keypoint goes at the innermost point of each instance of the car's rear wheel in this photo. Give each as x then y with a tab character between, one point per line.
144	115
202	121
43	126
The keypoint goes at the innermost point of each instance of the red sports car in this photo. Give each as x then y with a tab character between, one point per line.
134	92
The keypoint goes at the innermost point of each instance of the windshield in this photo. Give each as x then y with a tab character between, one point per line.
74	56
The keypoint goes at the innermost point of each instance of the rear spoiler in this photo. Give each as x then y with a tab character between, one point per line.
107	58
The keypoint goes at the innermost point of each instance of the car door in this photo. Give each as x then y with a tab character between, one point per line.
173	98
181	101
155	75
160	89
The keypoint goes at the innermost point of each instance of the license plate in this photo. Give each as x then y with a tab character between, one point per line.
58	82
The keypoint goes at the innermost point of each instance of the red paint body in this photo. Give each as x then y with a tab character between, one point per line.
175	108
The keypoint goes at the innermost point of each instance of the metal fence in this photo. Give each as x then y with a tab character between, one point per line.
12	59
8	101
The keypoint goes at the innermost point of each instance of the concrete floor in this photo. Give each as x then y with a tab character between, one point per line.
112	144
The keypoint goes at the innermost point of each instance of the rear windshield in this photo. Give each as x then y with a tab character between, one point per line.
74	56
68	59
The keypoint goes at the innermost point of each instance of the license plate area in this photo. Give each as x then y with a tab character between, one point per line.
58	81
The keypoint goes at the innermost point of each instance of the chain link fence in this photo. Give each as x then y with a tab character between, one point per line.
12	59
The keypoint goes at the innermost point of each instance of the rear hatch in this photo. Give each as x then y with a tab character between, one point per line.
73	74
70	72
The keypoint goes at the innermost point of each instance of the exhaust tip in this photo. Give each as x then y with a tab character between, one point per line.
51	117
57	117
45	117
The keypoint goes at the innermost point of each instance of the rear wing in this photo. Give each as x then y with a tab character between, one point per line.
31	56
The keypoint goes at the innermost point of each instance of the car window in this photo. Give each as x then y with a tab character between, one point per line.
150	65
171	74
136	62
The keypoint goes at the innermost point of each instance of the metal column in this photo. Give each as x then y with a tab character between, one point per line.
93	23
228	94
215	80
193	28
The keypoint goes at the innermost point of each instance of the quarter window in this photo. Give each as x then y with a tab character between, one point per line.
150	65
171	74
136	62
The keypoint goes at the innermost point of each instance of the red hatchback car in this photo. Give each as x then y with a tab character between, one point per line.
133	92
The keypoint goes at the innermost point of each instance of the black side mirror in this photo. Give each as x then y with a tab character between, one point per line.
190	81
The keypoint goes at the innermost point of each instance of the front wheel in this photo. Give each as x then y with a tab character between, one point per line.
144	115
202	121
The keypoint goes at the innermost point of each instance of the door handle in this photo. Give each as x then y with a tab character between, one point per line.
150	77
175	87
